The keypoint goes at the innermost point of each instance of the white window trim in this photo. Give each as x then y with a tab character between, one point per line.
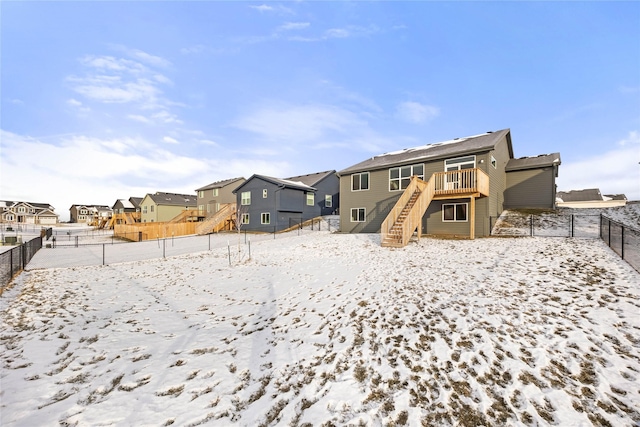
328	201
266	215
311	199
245	201
360	175
244	219
364	210
265	193
494	162
214	192
399	179
454	212
456	162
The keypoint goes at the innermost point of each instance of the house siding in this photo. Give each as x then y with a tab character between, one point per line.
211	203
533	188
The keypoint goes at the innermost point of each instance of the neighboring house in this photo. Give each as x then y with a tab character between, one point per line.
163	207
327	185
89	214
130	205
461	184
589	198
272	204
212	196
27	213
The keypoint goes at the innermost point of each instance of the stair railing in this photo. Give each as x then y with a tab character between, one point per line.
415	184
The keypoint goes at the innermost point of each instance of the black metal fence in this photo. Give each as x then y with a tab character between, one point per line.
15	259
622	239
551	225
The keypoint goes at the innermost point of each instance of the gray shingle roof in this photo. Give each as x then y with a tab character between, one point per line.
312	178
587	195
171	199
219	184
445	149
534	162
286	183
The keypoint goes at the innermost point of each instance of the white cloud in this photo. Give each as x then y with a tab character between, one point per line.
277	8
169	140
16	101
149	59
414	112
208	142
109	169
139	118
166	117
290	26
613	172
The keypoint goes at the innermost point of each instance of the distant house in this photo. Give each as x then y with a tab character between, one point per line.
459	184
126	211
589	198
89	214
212	196
130	205
27	213
273	204
163	207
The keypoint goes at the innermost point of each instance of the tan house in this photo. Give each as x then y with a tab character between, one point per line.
211	197
27	213
163	207
89	214
447	188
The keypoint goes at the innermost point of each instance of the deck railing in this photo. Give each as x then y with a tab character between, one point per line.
413	219
461	182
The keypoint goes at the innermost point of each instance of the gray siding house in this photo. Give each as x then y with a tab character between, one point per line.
272	204
464	181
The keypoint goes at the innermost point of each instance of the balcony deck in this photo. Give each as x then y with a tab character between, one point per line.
460	184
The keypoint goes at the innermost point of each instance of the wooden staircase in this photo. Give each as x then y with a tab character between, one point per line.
406	215
217	221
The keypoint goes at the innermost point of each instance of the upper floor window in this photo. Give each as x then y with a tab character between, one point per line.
399	178
152	208
310	199
264	193
245	198
214	192
328	201
494	163
201	194
360	181
144	209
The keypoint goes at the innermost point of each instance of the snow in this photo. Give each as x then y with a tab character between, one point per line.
329	329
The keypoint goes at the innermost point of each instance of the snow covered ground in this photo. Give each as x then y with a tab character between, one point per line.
329	329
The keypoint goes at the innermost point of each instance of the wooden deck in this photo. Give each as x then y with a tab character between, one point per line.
406	216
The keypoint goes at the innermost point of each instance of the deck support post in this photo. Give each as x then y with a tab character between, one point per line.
472	219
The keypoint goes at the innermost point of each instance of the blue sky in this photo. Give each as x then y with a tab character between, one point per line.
107	100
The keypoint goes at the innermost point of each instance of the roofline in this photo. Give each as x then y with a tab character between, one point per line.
274	181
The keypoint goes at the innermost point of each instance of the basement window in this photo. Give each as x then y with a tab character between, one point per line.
454	212
358	214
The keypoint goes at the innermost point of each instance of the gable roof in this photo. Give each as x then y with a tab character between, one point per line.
587	195
534	162
135	201
173	199
219	184
284	183
312	178
615	196
11	203
440	150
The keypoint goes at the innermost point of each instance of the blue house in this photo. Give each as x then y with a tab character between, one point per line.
271	204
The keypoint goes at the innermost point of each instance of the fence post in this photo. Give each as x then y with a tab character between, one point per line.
76	241
164	245
609	242
572	225
531	225
103	253
622	241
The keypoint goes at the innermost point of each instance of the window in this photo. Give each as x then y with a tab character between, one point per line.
214	192
454	212
453	180
144	209
244	219
201	208
152	208
245	198
265	218
399	178
201	194
264	193
360	181
83	211
328	201
358	214
310	199
494	163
